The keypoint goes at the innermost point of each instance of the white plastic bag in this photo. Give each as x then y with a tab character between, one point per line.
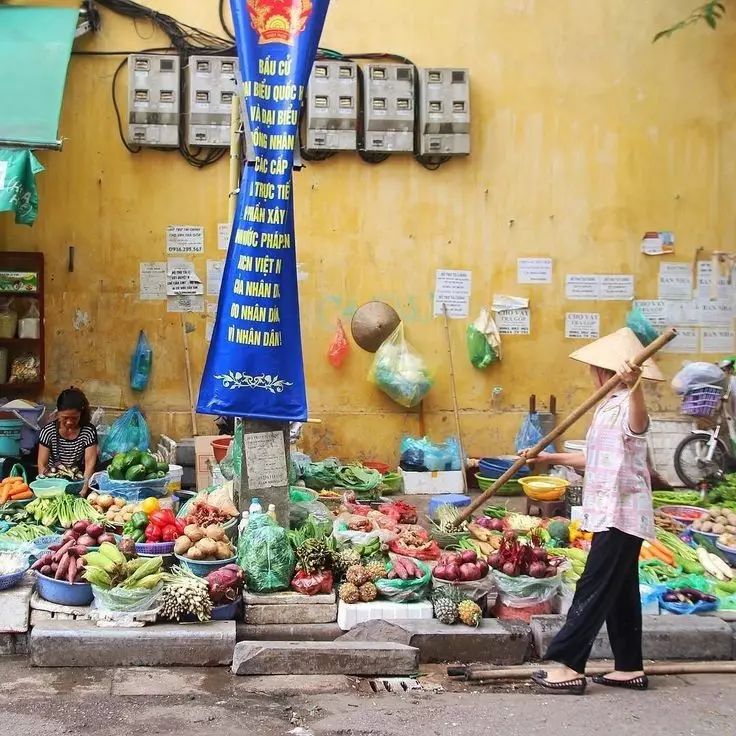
698	374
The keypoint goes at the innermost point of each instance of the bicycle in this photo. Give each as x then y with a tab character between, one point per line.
705	456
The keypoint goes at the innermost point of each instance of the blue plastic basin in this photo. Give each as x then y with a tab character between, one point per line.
63	593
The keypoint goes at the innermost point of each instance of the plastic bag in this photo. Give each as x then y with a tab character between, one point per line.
530	433
416	544
637	322
698	374
140	364
339	347
300	511
483	341
399	371
407	591
232	464
266	555
25	369
128	432
523	597
312	584
476	590
362	537
29	326
127	600
420	455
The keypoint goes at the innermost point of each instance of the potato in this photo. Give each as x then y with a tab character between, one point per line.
216	532
182	545
223	551
193	532
697	525
194	554
721	519
706	526
110	515
118	502
207	546
731	518
715	511
730	529
718	529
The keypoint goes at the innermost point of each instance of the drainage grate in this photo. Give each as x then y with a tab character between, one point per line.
395	685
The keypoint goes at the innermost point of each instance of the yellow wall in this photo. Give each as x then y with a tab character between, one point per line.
584	136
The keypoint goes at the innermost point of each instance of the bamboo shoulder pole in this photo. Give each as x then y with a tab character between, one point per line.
666	337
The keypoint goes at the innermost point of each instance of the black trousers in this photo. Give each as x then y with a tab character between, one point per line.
608	591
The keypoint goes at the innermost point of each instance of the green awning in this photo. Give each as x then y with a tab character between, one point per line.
35	45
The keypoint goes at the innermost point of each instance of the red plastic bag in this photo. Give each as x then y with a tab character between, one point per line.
314	584
338	347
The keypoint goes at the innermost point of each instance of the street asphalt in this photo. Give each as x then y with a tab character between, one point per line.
130	701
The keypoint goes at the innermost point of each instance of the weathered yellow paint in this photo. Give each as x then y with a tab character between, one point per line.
585	135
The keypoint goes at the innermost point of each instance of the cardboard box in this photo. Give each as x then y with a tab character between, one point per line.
204	457
435	482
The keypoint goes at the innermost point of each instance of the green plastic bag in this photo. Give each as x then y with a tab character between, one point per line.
266	556
407	591
18	193
483	341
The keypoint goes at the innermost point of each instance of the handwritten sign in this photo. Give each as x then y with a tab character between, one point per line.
223	235
182	279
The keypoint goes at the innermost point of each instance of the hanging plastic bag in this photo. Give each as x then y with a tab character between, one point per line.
266	556
530	433
483	341
140	365
339	347
641	326
399	371
128	432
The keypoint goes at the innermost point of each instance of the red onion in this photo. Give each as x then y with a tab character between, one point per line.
495	561
510	569
483	567
452	572
469	556
539	554
537	569
469	571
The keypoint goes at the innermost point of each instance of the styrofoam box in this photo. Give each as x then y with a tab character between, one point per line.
352	614
439	481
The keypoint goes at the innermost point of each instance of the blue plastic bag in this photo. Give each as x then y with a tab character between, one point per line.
530	433
128	432
141	363
420	455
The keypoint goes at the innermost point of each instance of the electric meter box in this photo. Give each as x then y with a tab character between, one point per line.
444	112
209	84
153	99
330	121
388	108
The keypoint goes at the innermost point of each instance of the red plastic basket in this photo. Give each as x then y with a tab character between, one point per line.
702	402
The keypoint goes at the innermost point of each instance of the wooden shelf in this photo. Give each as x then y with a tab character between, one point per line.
20	294
30	341
21	387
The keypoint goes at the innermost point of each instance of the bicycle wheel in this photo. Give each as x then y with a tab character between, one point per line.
691	463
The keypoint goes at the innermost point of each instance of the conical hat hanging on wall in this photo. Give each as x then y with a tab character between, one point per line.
611	351
372	324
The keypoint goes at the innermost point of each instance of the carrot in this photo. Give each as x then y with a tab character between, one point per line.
645	554
666	555
22	495
655	553
4	493
13	479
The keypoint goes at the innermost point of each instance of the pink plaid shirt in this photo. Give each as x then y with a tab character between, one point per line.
617	491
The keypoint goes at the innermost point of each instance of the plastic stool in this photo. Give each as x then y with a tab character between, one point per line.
545	508
458	500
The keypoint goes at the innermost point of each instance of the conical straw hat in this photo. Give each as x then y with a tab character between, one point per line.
611	351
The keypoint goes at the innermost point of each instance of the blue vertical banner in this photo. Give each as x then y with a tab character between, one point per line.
255	366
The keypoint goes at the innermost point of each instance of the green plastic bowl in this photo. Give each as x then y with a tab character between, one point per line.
48	487
510	488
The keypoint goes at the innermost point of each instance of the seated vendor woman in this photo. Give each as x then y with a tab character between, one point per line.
70	440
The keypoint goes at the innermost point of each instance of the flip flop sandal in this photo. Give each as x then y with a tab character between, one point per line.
635	683
576	686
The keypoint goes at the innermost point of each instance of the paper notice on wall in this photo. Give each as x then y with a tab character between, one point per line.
182	279
580	286
719	340
210	324
675	281
214	277
682	313
514	322
655	310
658	243
452	289
182	239
185	303
616	287
152	280
223	235
686	342
582	325
534	270
265	460
721	290
710	313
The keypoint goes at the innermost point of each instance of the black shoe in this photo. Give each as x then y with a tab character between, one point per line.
576	686
635	683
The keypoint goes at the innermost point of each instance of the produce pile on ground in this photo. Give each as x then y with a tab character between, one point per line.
460	567
136	466
109	568
331	474
204	543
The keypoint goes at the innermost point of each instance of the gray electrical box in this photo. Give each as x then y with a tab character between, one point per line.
153	99
330	120
444	112
388	107
209	83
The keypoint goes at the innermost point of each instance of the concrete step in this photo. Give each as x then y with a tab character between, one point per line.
82	644
663	638
288	632
362	659
15	606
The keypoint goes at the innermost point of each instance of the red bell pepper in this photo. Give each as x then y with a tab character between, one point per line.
153	533
163	518
170	533
180	525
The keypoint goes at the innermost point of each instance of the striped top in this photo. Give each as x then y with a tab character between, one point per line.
67	452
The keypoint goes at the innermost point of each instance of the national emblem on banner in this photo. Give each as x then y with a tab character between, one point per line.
279	21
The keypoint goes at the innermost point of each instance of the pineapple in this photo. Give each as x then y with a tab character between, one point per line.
348	593
376	570
358	575
344	559
445	610
368	592
469	613
314	555
451	592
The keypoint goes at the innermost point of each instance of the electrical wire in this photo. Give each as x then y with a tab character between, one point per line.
221	13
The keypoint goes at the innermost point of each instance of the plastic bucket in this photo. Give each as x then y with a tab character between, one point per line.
220	446
11	431
176	473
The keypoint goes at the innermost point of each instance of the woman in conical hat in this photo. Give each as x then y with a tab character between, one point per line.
617	508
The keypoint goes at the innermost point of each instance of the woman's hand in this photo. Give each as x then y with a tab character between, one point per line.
542	457
629	374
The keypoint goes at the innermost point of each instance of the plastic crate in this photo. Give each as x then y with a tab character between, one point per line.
702	402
